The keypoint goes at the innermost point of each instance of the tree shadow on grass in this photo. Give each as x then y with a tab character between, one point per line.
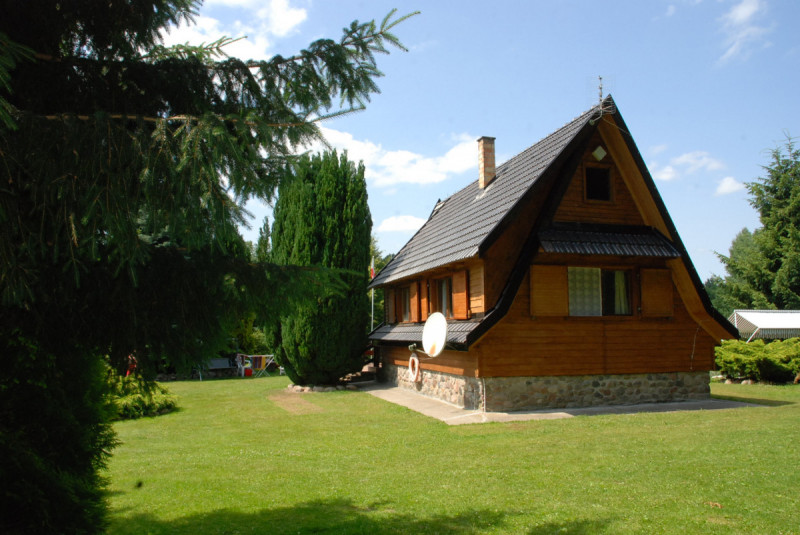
571	527
338	516
756	401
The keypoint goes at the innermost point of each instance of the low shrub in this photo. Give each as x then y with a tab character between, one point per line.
773	362
134	397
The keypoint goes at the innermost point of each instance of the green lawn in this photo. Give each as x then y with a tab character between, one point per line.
245	456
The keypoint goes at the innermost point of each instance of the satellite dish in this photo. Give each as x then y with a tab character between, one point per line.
434	334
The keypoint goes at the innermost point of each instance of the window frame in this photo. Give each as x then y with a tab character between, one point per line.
404	304
436	304
602	287
610	172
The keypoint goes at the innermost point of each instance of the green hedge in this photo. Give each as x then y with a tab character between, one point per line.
134	397
773	362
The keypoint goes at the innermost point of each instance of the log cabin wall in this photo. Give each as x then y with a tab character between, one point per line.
452	362
503	254
619	210
525	345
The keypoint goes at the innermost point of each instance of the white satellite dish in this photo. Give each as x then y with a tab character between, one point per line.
434	334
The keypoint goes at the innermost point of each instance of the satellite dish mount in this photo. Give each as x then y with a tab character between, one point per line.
434	335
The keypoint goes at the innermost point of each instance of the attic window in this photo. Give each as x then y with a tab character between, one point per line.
598	184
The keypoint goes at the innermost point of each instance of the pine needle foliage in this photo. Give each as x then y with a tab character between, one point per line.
124	169
763	267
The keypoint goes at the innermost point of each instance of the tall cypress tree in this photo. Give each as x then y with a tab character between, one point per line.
322	219
125	166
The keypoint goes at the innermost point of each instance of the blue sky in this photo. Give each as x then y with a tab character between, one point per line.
708	89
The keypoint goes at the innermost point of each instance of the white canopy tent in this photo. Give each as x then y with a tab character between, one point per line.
767	324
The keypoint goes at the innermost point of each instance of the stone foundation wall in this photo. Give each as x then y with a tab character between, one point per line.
519	393
456	389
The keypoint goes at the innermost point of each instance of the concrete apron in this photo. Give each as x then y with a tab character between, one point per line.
453	415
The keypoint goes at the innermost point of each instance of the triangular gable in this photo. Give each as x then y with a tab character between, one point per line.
641	187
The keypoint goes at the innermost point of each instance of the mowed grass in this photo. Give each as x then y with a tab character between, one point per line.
246	456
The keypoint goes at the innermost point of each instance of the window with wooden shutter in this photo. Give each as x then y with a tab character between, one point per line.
549	291
389	305
413	298
657	299
460	296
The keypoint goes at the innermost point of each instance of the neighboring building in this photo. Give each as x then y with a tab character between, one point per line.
563	280
766	324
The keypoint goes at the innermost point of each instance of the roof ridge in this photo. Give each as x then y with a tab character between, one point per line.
572	121
575	119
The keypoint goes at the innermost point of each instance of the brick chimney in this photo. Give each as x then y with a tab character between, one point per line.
485	161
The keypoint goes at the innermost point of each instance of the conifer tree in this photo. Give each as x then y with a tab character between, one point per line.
125	166
263	244
322	219
763	267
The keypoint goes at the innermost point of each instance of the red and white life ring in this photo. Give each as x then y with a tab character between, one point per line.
413	368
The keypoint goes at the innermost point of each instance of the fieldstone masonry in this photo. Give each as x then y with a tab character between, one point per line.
519	393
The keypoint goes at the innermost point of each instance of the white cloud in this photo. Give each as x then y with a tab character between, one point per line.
259	24
741	31
196	33
743	12
657	149
697	160
281	18
401	223
385	168
728	185
687	163
665	173
670	10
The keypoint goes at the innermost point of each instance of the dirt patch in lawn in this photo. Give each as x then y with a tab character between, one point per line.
294	403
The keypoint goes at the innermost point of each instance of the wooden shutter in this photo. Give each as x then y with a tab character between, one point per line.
389	305
657	300
460	296
423	300
549	291
433	295
413	298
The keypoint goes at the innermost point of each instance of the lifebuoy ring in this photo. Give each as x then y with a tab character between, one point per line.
413	368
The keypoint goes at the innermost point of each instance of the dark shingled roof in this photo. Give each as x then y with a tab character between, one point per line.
460	226
607	240
407	333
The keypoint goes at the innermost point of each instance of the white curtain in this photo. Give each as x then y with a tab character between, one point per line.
621	304
585	295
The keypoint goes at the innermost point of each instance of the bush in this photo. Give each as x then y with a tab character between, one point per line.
134	397
774	362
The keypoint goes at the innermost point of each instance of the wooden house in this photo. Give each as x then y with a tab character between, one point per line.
563	280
